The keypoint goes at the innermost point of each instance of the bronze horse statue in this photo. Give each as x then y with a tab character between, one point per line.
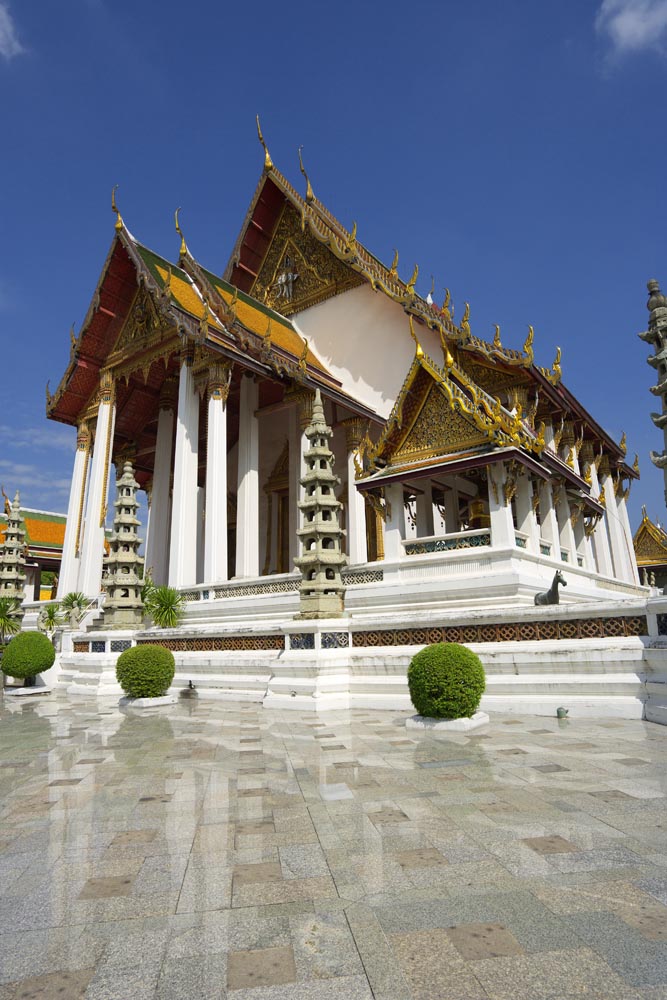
550	596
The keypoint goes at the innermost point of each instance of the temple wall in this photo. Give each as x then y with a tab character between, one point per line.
364	340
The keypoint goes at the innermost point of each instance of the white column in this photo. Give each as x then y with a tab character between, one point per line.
247	510
548	520
622	508
157	544
215	538
566	534
394	527
424	503
600	536
525	513
69	566
451	511
356	505
500	511
582	541
92	553
183	536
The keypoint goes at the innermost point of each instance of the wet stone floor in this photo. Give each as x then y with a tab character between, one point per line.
209	850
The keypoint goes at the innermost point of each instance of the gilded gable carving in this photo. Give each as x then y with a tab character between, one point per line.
297	271
437	430
648	549
492	380
143	327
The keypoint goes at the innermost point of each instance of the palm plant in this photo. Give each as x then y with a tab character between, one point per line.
165	606
10	621
76	602
50	618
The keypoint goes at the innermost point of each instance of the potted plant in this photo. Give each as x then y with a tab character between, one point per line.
27	655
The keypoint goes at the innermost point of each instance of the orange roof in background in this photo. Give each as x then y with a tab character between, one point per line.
43	530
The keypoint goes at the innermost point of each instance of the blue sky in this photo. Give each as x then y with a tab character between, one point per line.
515	151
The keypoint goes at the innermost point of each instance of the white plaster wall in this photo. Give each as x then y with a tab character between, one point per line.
363	338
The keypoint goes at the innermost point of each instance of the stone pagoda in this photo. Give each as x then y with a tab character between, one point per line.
321	561
657	335
12	555
124	567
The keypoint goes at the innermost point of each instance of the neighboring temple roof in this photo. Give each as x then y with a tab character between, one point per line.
650	543
45	532
280	221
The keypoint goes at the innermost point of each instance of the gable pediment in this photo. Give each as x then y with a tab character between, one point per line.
297	271
436	429
649	548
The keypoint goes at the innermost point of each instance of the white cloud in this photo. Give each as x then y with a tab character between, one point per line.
633	25
10	45
47	437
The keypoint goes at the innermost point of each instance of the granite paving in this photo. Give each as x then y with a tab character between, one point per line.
205	850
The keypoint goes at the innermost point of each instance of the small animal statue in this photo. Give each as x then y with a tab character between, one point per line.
550	596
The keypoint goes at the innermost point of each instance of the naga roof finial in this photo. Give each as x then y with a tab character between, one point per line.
114	208
419	352
309	188
183	252
393	270
446	305
413	280
528	346
623	443
496	337
268	162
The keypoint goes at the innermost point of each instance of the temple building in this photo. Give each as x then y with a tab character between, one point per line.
44	536
650	545
468	472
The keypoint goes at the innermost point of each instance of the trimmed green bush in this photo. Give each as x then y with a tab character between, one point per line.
27	654
446	681
145	671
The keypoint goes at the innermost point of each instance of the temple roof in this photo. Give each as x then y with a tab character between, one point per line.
280	220
45	532
650	543
182	298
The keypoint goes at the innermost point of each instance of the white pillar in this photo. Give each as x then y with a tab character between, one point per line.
247	509
394	527
600	536
582	541
451	511
525	513
69	566
622	508
183	537
157	543
565	531
500	510
92	552
424	504
548	520
356	505
215	538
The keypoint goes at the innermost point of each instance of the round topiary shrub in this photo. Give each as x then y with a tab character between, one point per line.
27	654
145	671
446	681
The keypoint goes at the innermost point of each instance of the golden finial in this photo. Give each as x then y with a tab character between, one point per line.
413	280
635	464
183	252
541	431
393	270
72	336
644	514
352	238
419	352
268	162
309	190
446	305
556	371
496	337
528	346
623	443
114	208
465	322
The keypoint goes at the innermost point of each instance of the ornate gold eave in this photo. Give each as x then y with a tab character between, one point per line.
650	543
